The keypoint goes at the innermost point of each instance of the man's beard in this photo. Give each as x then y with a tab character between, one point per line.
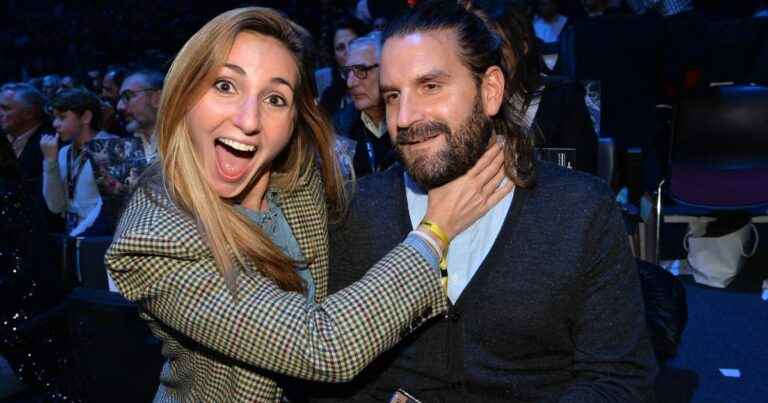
461	151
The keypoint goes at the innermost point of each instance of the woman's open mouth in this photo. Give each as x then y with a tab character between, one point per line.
233	158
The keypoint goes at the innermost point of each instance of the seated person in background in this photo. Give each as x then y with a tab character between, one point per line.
548	24
331	87
137	103
366	123
557	109
69	187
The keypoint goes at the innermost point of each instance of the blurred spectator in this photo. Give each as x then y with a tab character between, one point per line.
51	84
548	24
110	85
68	83
69	187
367	127
94	81
556	109
598	8
138	102
332	88
23	120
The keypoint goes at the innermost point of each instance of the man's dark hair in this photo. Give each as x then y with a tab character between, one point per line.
152	78
30	96
78	101
480	47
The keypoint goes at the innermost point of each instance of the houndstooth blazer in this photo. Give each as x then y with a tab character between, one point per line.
222	350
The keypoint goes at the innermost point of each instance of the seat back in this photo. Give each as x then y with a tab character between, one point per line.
719	151
723	127
116	357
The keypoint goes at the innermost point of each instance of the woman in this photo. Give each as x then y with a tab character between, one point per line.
333	94
224	246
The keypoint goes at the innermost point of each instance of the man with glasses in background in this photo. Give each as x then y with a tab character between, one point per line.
138	102
367	127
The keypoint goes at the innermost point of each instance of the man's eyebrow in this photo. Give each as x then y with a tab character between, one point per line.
431	75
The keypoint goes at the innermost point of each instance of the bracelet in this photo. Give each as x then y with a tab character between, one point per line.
438	232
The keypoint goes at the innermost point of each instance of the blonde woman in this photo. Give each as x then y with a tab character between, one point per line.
224	244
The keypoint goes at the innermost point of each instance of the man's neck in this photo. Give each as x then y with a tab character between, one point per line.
25	130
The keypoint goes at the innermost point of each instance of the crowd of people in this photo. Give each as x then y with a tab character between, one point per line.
218	175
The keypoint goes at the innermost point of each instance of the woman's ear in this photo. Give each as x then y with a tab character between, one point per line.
492	90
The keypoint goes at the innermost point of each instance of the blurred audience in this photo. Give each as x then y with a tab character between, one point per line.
331	87
364	122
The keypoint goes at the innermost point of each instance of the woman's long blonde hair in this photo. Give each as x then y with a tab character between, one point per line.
232	238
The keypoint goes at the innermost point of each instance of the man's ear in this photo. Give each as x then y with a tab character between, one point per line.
492	90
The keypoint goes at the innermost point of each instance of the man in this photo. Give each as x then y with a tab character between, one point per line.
23	120
51	84
138	103
546	301
374	150
69	187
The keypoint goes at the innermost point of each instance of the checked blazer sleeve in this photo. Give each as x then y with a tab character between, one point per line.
159	261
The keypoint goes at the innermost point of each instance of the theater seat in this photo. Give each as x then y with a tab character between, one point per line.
114	352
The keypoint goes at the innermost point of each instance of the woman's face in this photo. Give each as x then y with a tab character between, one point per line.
341	40
245	117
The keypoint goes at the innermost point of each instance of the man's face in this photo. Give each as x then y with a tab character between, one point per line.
50	86
364	92
109	88
436	115
138	104
15	116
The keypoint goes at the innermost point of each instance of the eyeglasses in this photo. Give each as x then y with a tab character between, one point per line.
359	70
128	95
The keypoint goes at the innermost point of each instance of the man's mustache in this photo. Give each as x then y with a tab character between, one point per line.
424	131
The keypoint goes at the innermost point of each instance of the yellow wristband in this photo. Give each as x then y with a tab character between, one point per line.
438	232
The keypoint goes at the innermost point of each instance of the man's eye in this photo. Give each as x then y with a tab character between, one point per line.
431	87
391	96
224	86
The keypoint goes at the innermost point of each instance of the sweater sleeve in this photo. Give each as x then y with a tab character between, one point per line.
613	359
53	185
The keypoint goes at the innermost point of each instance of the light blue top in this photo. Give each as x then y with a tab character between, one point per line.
275	226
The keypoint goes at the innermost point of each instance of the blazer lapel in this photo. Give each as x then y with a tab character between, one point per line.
305	211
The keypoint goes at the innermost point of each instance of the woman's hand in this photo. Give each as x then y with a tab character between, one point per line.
459	203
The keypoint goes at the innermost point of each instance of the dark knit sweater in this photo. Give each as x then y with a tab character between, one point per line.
554	313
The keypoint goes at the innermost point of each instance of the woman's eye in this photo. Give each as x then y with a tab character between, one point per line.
224	86
276	100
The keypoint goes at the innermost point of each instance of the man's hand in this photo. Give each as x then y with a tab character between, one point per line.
49	144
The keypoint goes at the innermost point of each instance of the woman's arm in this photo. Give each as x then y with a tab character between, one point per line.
273	329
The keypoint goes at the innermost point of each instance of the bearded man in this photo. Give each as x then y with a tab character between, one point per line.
545	297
